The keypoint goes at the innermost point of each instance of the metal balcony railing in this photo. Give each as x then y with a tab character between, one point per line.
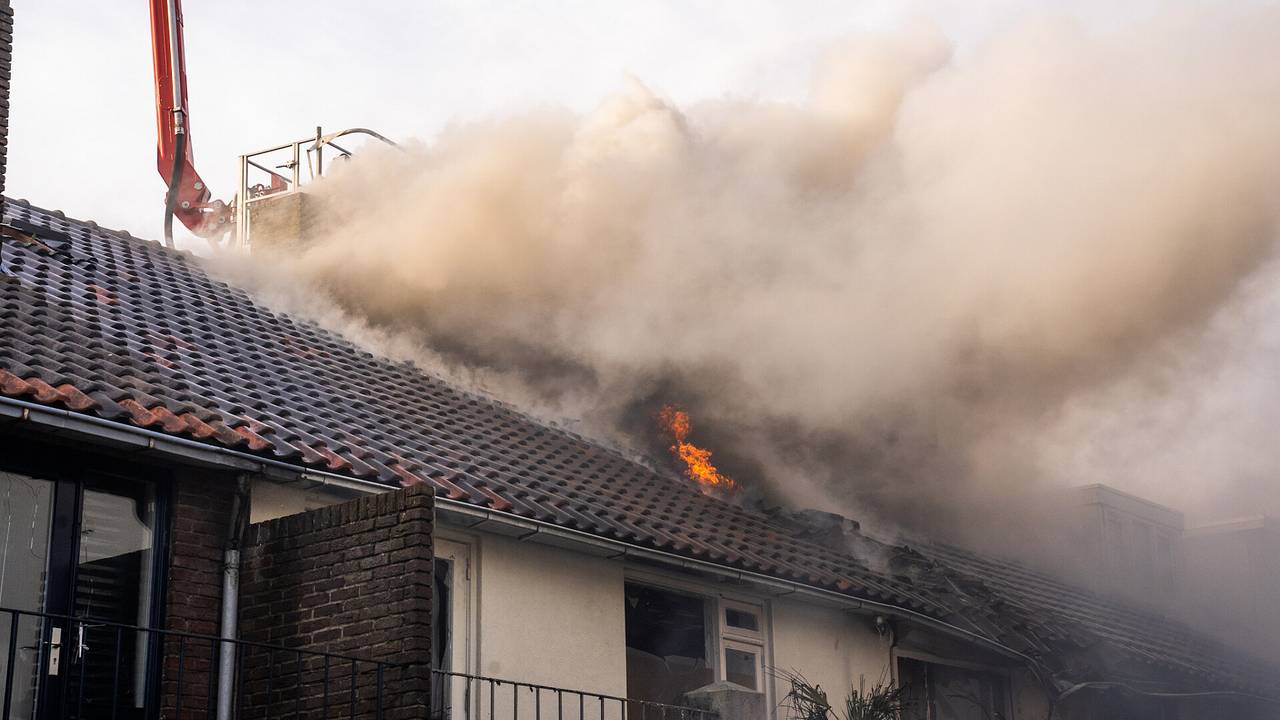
281	167
458	696
60	667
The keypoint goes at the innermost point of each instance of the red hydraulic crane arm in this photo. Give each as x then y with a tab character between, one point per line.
188	198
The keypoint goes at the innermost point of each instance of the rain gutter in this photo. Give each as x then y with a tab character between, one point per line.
58	421
109	433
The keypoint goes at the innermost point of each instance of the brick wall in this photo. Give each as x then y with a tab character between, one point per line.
6	61
352	579
201	515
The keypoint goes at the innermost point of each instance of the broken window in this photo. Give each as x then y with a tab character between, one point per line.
667	644
935	691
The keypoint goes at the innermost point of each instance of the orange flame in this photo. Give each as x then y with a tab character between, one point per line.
697	461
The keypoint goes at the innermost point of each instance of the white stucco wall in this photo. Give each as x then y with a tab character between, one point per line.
551	616
269	500
828	647
541	614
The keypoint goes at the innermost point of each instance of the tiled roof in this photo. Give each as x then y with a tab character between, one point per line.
1086	617
104	324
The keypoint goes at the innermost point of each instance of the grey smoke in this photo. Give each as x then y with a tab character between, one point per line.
944	282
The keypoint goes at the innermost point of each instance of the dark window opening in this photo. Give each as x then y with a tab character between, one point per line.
666	644
944	692
441	636
741	619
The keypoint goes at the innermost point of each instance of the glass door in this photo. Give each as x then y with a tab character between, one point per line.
114	581
85	548
26	521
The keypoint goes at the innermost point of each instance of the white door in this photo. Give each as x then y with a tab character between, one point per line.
452	626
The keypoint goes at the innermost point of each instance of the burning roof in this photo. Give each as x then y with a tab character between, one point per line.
698	467
104	325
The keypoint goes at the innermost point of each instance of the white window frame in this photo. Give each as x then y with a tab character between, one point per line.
755	649
752	641
459	550
728	631
719	634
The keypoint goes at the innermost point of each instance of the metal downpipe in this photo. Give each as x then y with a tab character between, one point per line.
231	599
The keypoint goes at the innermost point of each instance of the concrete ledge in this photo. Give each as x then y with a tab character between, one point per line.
728	700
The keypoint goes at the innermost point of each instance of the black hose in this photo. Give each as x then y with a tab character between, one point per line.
175	178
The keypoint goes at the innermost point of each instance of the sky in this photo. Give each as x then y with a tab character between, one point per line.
83	133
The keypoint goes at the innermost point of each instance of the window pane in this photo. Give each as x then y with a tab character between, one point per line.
741	619
442	689
965	694
25	507
740	667
113	583
944	692
666	644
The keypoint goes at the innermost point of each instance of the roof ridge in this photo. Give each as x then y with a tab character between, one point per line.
122	234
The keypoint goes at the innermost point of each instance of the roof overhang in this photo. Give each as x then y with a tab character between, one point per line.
59	422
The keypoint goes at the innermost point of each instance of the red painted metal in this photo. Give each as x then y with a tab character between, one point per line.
194	208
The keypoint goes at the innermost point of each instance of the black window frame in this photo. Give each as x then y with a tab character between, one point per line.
68	467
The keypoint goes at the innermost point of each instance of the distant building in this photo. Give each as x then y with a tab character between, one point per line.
1233	577
1132	545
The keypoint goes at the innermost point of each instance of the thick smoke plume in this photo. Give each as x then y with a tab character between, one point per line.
900	300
